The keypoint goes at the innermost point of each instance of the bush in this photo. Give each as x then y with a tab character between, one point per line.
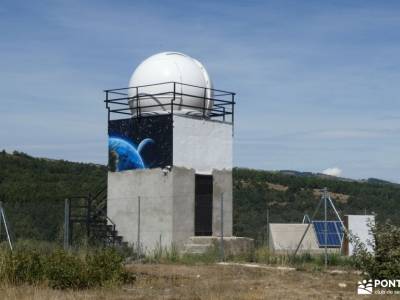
384	261
62	270
105	267
21	267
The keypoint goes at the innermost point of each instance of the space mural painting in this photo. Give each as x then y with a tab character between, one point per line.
140	143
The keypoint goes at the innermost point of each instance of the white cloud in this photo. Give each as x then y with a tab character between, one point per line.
335	171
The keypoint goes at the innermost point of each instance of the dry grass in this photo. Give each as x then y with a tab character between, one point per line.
208	282
277	187
338	197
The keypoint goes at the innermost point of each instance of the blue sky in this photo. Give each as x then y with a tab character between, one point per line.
317	82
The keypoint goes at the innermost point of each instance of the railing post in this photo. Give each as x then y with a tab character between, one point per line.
137	102
233	110
204	103
108	107
173	99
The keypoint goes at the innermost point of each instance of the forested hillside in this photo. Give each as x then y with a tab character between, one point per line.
33	192
290	195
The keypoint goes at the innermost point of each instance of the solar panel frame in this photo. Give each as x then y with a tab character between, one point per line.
334	233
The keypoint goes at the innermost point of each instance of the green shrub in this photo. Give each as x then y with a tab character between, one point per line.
62	270
22	267
105	267
384	261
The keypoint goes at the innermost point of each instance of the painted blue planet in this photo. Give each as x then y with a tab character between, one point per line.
127	156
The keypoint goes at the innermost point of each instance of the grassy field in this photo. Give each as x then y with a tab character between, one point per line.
175	281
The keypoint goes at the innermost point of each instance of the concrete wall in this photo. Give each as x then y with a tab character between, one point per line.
156	213
167	205
286	238
202	145
183	205
222	184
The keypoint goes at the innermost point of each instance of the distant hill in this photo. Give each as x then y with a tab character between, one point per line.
34	190
325	176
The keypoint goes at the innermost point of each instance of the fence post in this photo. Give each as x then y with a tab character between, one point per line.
138	230
326	228
222	254
66	224
88	217
267	228
1	219
5	225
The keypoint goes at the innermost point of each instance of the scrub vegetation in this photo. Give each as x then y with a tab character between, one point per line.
208	281
60	269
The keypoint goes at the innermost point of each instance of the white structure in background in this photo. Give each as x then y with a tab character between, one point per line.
154	79
358	225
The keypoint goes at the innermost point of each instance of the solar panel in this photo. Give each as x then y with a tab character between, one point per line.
334	234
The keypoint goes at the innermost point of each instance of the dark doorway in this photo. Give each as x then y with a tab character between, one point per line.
203	205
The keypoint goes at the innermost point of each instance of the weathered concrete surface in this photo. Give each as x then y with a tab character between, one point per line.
156	206
167	205
183	205
284	239
232	245
222	184
202	145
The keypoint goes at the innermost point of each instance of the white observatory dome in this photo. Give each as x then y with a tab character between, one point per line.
193	88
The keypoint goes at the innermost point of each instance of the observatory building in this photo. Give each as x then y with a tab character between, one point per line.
170	154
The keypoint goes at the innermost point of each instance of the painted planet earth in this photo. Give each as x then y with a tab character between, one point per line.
127	157
148	152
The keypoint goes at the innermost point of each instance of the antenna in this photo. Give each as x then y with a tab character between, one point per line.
306	219
3	219
326	200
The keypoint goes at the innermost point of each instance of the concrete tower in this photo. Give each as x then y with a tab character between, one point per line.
170	154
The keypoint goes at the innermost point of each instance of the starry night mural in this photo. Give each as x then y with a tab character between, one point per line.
140	143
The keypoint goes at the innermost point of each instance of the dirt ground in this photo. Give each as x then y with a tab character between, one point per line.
210	282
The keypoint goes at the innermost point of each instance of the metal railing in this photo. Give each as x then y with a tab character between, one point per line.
169	98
